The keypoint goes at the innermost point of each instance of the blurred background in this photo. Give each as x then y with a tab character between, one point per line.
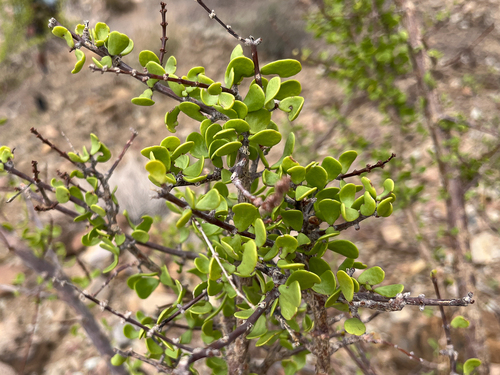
462	38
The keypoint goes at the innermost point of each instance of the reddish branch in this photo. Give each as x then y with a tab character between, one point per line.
163	25
367	169
51	145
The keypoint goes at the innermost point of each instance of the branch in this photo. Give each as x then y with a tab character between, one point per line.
471	46
377	302
182	309
214	348
163	25
450	351
130	353
120	157
367	169
208	218
115	273
52	146
228	277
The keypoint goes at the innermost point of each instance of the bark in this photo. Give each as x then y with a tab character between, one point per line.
321	334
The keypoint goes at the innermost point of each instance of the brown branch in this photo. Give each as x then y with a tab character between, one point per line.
163	25
449	351
208	218
115	273
120	157
214	348
130	353
367	169
182	309
52	146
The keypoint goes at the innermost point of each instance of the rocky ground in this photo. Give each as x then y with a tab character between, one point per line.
78	104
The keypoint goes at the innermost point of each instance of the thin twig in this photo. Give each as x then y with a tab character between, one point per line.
449	351
181	309
52	146
115	273
367	169
149	361
228	277
163	25
120	157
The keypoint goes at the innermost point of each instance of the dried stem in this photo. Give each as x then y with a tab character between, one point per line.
130	353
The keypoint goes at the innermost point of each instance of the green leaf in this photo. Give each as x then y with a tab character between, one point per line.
62	194
272	89
258	120
215	88
283	68
118	360
388	189
80	56
349	214
157	172
385	208
306	279
242	67
228	148
249	259
140	236
181	150
347	194
192	110
298	174
255	98
459	322
303	192
329	210
290	299
369	186
130	332
171	119
145	286
317	177
372	276
331	301
64	33
186	215
266	137
288	88
354	326
260	232
210	201
287	150
346	159
214	269
244	215
147	56
259	329
101	32
318	266
117	42
287	243
283	264
267	338
369	205
390	291
346	285
159	153
327	285
345	248
195	169
332	166
226	100
292	105
153	347
470	365
293	219
239	125
144	99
